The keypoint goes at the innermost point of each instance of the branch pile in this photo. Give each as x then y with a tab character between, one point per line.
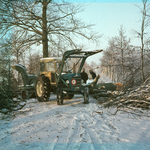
8	104
135	101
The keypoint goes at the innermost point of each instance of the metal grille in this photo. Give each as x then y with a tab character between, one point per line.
78	79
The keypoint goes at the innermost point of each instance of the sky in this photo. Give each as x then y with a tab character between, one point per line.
108	17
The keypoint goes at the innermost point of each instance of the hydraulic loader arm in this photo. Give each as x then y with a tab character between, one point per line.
76	53
65	56
86	54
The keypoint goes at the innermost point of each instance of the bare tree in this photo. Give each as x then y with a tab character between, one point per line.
122	45
5	54
33	66
18	47
115	57
106	63
142	34
45	22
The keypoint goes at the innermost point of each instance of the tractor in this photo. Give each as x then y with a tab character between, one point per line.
62	77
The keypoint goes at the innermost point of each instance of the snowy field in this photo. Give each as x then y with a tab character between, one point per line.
72	126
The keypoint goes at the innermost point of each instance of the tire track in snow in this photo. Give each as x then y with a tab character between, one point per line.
84	132
98	128
102	124
68	131
111	128
94	137
70	126
74	137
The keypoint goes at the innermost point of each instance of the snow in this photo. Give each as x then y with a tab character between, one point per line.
72	126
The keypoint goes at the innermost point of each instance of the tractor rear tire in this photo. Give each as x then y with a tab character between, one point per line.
59	96
86	95
69	96
42	88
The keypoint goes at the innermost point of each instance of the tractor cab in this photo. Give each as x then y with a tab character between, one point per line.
48	67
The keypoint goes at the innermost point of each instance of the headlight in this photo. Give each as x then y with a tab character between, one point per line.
67	81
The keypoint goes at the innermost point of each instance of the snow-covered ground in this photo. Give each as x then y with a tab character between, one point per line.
72	126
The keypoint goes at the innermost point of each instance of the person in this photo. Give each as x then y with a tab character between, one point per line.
84	76
93	74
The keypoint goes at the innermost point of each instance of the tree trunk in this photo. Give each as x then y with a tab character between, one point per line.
142	65
122	66
110	71
142	41
44	29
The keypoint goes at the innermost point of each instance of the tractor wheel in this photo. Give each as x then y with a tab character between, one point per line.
86	95
24	94
59	96
42	88
69	96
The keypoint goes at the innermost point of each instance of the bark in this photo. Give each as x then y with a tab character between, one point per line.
44	29
142	42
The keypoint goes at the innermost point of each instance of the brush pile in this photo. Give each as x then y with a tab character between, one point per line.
135	100
8	104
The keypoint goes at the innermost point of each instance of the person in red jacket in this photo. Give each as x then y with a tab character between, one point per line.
84	75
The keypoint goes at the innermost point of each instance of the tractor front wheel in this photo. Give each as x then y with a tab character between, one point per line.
86	95
42	88
59	96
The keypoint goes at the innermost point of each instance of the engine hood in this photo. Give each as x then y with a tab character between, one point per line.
67	76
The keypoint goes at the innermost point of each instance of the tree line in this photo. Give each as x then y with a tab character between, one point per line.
126	63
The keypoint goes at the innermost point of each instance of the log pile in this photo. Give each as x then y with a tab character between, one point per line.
135	100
